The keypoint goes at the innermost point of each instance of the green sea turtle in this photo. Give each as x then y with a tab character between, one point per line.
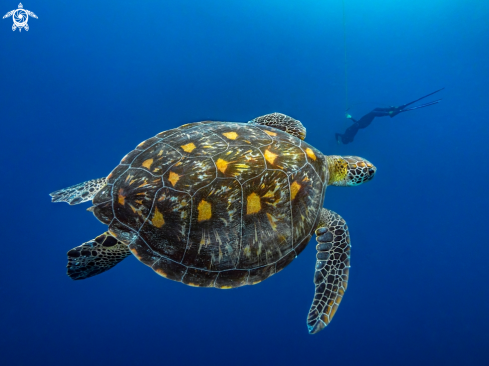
223	204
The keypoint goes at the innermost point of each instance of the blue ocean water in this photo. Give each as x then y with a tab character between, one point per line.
90	80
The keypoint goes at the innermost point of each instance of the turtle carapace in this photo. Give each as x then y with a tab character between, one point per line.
223	204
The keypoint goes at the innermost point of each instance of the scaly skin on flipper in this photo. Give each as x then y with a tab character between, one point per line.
282	122
95	256
79	193
332	267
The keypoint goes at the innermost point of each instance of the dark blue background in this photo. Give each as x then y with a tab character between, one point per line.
90	80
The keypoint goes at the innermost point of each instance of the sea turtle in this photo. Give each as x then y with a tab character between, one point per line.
223	204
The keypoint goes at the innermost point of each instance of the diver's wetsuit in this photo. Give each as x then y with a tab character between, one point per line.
363	122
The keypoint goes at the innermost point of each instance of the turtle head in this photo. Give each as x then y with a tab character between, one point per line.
349	171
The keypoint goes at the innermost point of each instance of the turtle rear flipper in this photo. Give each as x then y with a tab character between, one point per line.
79	193
95	256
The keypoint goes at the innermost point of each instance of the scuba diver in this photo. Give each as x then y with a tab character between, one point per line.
363	122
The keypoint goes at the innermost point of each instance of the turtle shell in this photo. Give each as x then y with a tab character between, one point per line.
216	204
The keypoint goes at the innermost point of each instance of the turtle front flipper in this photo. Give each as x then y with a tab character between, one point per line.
332	267
95	256
79	193
282	122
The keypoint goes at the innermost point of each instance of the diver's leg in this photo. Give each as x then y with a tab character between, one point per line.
366	120
380	112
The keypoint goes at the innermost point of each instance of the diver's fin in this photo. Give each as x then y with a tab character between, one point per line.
422	106
417	100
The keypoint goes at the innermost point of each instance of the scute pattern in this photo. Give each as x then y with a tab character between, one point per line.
267	220
214	240
196	142
284	156
216	204
133	197
157	159
306	200
240	162
188	175
240	134
168	223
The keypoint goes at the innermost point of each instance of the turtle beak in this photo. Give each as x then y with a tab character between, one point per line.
371	172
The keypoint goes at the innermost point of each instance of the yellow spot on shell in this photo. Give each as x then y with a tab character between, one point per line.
230	135
193	284
294	188
135	252
147	163
254	204
310	153
173	178
221	165
272	221
270	133
205	211
269	194
122	198
270	156
161	272
158	220
189	147
225	287
247	251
